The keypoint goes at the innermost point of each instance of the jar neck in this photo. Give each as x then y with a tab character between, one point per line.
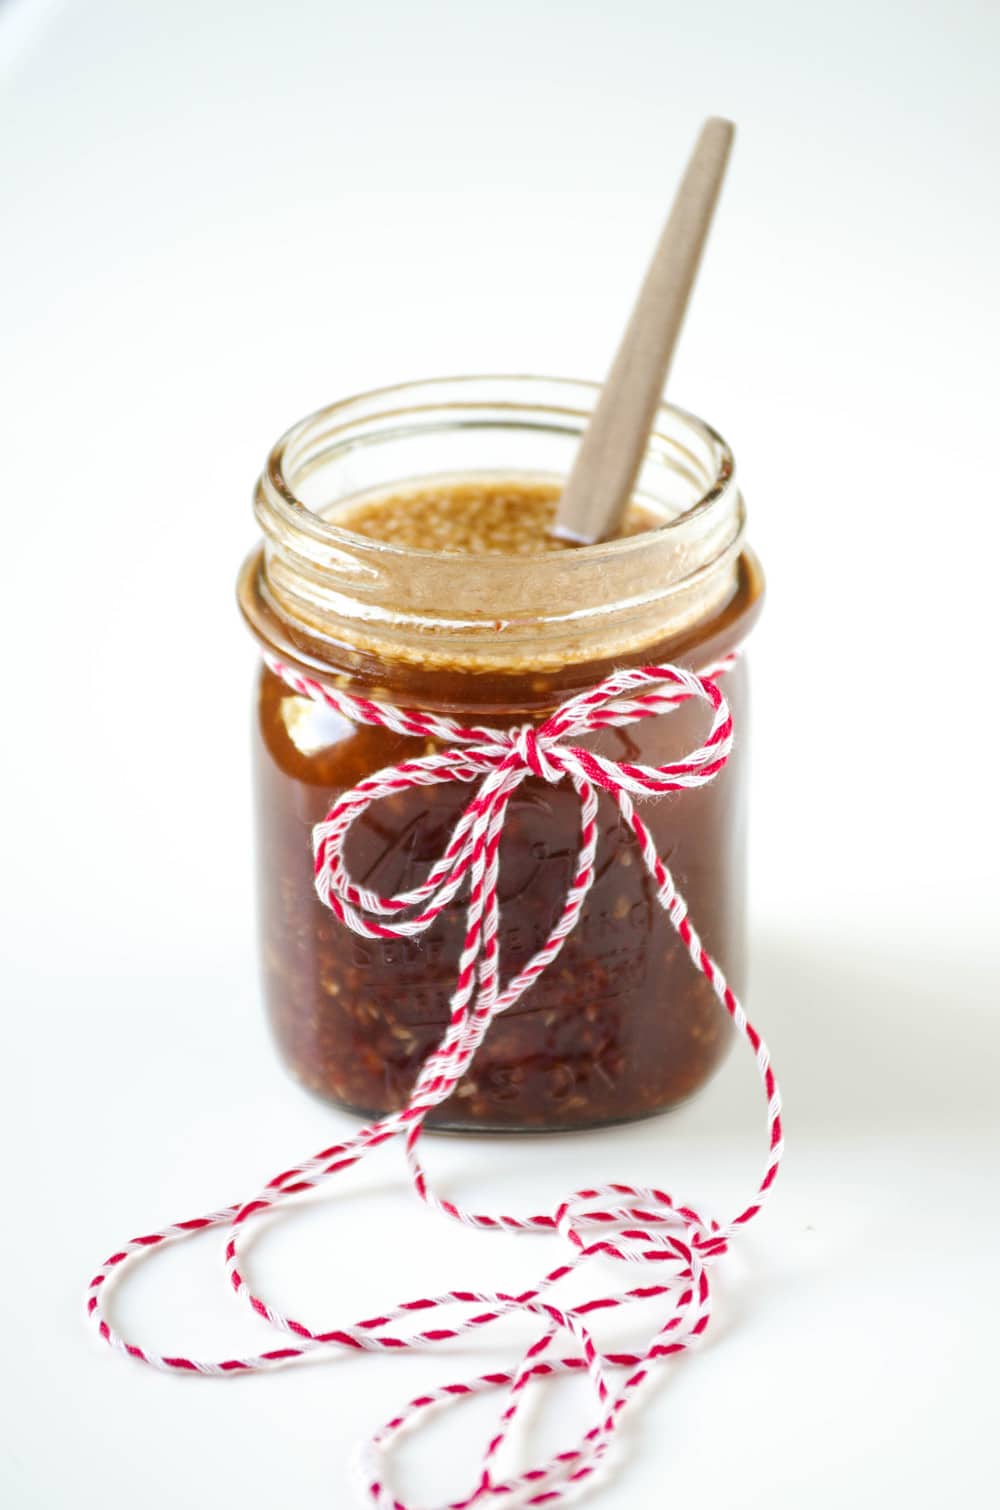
330	594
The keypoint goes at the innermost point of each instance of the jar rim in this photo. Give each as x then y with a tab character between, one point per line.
299	515
541	608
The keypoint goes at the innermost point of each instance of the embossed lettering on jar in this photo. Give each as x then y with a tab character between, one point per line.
405	558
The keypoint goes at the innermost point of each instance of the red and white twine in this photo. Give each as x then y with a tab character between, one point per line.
626	1222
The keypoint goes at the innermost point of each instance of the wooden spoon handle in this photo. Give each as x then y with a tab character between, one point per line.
599	487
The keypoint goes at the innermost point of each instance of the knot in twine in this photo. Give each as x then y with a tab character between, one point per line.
623	1222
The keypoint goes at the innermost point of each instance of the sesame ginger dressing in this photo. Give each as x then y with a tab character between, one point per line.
470	517
620	1026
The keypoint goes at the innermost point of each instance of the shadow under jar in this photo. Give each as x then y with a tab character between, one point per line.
621	1024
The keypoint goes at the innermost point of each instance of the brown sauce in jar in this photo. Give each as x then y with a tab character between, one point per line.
471	517
621	1025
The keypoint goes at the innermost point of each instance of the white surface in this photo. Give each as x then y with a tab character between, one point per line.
216	218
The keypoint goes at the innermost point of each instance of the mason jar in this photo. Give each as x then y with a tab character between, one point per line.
621	1025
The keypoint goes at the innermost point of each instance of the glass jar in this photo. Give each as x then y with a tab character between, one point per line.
621	1025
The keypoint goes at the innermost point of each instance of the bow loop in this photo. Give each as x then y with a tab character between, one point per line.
501	759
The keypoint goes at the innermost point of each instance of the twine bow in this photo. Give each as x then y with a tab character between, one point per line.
622	1222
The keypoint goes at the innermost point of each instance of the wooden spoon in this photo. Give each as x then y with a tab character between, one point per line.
599	487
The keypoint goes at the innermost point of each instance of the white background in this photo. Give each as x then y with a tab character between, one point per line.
216	217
